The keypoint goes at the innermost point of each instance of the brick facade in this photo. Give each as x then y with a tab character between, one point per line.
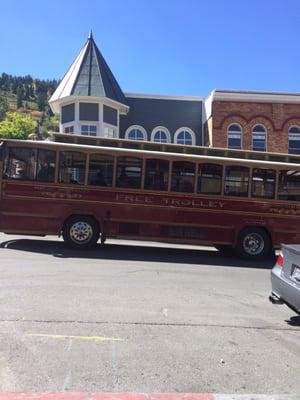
276	117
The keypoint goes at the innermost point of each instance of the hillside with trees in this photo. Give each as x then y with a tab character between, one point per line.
24	100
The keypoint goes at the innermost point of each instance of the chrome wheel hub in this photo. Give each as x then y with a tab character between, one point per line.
81	232
253	244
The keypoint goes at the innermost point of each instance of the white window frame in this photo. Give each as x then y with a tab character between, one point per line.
294	126
64	125
89	124
109	126
143	130
158	129
232	133
104	124
190	131
67	126
260	133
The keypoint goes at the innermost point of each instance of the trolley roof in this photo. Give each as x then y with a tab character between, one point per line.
189	153
176	148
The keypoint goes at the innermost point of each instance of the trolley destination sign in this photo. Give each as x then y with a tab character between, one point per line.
169	201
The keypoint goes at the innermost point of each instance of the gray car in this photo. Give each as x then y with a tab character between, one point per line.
285	278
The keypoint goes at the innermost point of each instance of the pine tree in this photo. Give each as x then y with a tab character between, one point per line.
19	97
41	100
28	89
3	107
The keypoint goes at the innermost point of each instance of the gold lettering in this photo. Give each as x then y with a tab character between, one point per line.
175	202
197	203
148	199
129	198
186	202
140	199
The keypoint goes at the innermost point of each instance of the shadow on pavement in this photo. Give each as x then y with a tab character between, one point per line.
135	253
294	321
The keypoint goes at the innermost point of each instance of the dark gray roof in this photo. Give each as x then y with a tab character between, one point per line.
171	114
90	75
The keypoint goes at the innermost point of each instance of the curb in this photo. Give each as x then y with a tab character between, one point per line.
139	396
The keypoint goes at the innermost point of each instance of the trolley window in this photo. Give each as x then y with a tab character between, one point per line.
72	167
183	176
289	185
263	183
101	168
20	164
157	174
210	178
46	165
236	181
129	172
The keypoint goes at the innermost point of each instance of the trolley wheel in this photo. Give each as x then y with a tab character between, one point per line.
81	232
254	243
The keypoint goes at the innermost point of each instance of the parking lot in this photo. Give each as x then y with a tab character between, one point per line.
141	317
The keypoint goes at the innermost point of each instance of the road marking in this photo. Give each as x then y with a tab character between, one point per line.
68	379
115	375
87	338
165	312
67	382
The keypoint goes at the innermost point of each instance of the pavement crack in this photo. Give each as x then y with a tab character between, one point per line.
159	324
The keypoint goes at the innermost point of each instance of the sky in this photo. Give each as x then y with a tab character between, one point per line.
173	47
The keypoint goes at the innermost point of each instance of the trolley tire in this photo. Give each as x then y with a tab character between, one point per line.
81	232
254	243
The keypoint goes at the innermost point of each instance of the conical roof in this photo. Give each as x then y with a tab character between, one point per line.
89	75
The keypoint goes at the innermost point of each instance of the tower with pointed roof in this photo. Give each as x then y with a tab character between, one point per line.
90	101
89	98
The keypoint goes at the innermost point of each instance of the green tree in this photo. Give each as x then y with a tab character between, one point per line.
41	100
17	126
3	107
51	125
19	97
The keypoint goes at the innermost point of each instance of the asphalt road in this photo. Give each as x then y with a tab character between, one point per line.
141	317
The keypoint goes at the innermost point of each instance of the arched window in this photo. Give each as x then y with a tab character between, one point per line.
136	132
294	140
184	136
160	135
259	138
234	136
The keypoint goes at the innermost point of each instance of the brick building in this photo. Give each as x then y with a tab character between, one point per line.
253	121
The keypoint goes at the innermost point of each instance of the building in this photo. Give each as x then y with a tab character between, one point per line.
258	121
90	101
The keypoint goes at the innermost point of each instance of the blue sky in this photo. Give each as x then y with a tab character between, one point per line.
180	47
